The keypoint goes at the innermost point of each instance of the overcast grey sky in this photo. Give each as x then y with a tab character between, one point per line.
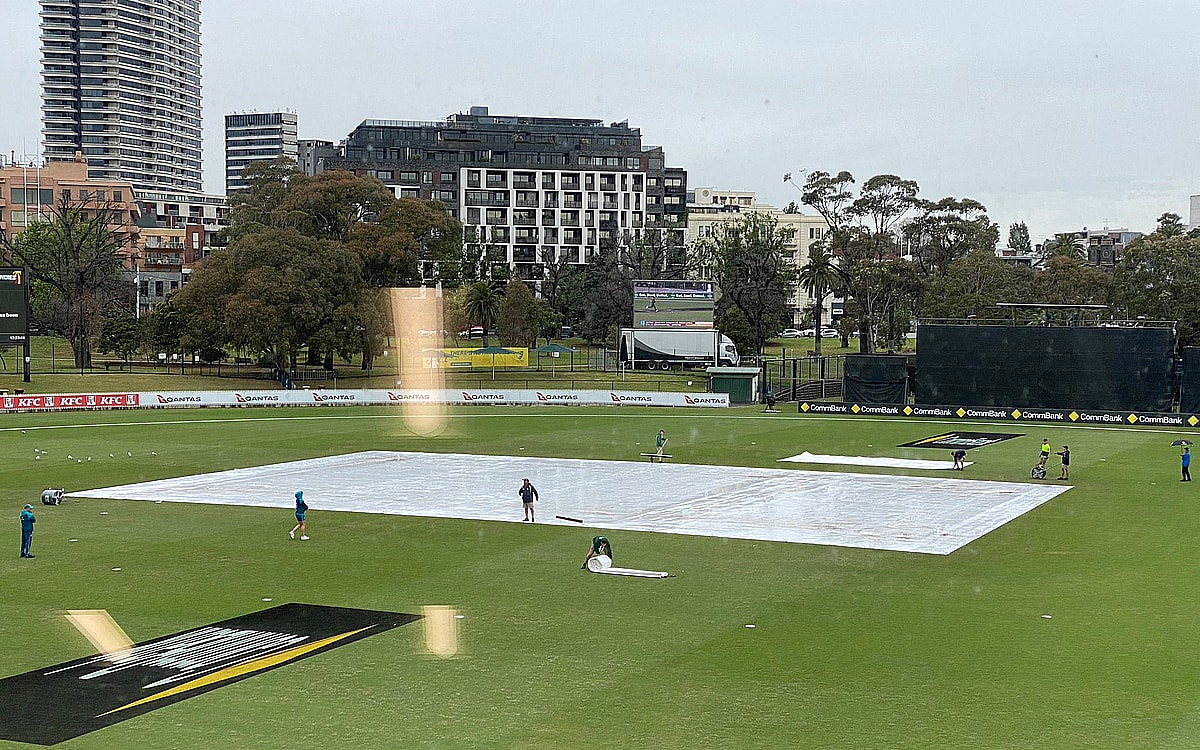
1059	114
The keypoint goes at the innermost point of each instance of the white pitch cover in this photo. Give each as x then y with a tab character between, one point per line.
934	515
603	564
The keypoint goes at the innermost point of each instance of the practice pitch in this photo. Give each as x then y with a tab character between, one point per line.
908	514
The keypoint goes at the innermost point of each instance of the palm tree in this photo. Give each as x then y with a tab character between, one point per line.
482	305
820	276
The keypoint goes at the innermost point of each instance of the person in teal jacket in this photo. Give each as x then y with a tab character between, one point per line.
301	509
27	521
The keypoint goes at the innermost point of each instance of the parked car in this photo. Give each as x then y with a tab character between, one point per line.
790	333
829	333
475	332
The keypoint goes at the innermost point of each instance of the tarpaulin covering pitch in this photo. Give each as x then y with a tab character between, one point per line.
1045	367
875	511
875	379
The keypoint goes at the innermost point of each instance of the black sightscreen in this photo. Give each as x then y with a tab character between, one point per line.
875	379
1189	394
1122	369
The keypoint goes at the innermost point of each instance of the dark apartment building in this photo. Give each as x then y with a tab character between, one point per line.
526	189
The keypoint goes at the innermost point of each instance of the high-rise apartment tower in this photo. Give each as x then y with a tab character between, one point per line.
256	136
121	84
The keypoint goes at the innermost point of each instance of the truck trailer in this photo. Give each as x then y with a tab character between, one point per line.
665	350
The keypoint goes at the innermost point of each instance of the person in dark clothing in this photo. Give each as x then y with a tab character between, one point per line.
1065	455
529	496
27	521
959	454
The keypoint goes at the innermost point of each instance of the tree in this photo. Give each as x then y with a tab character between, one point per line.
862	235
120	335
482	305
1018	238
819	276
454	315
570	298
974	284
1158	277
1062	246
436	235
750	257
890	290
328	205
254	208
515	323
75	269
882	203
275	291
165	329
1068	280
1170	225
948	229
409	232
731	321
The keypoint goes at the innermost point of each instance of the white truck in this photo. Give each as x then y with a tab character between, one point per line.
665	350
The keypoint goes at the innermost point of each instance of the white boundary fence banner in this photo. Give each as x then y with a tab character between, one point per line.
473	397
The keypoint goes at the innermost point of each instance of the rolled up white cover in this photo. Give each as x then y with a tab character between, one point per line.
603	564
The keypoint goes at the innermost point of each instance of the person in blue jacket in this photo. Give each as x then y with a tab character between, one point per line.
301	509
1186	461
27	521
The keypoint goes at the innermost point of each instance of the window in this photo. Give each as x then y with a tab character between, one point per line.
21	196
448	177
118	196
427	178
408	177
410	192
632	162
472	215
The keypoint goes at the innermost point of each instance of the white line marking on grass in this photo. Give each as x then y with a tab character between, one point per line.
873	511
559	412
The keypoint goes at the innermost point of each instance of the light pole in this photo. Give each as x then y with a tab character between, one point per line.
137	287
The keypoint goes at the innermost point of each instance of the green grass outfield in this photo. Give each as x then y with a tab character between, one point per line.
852	648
